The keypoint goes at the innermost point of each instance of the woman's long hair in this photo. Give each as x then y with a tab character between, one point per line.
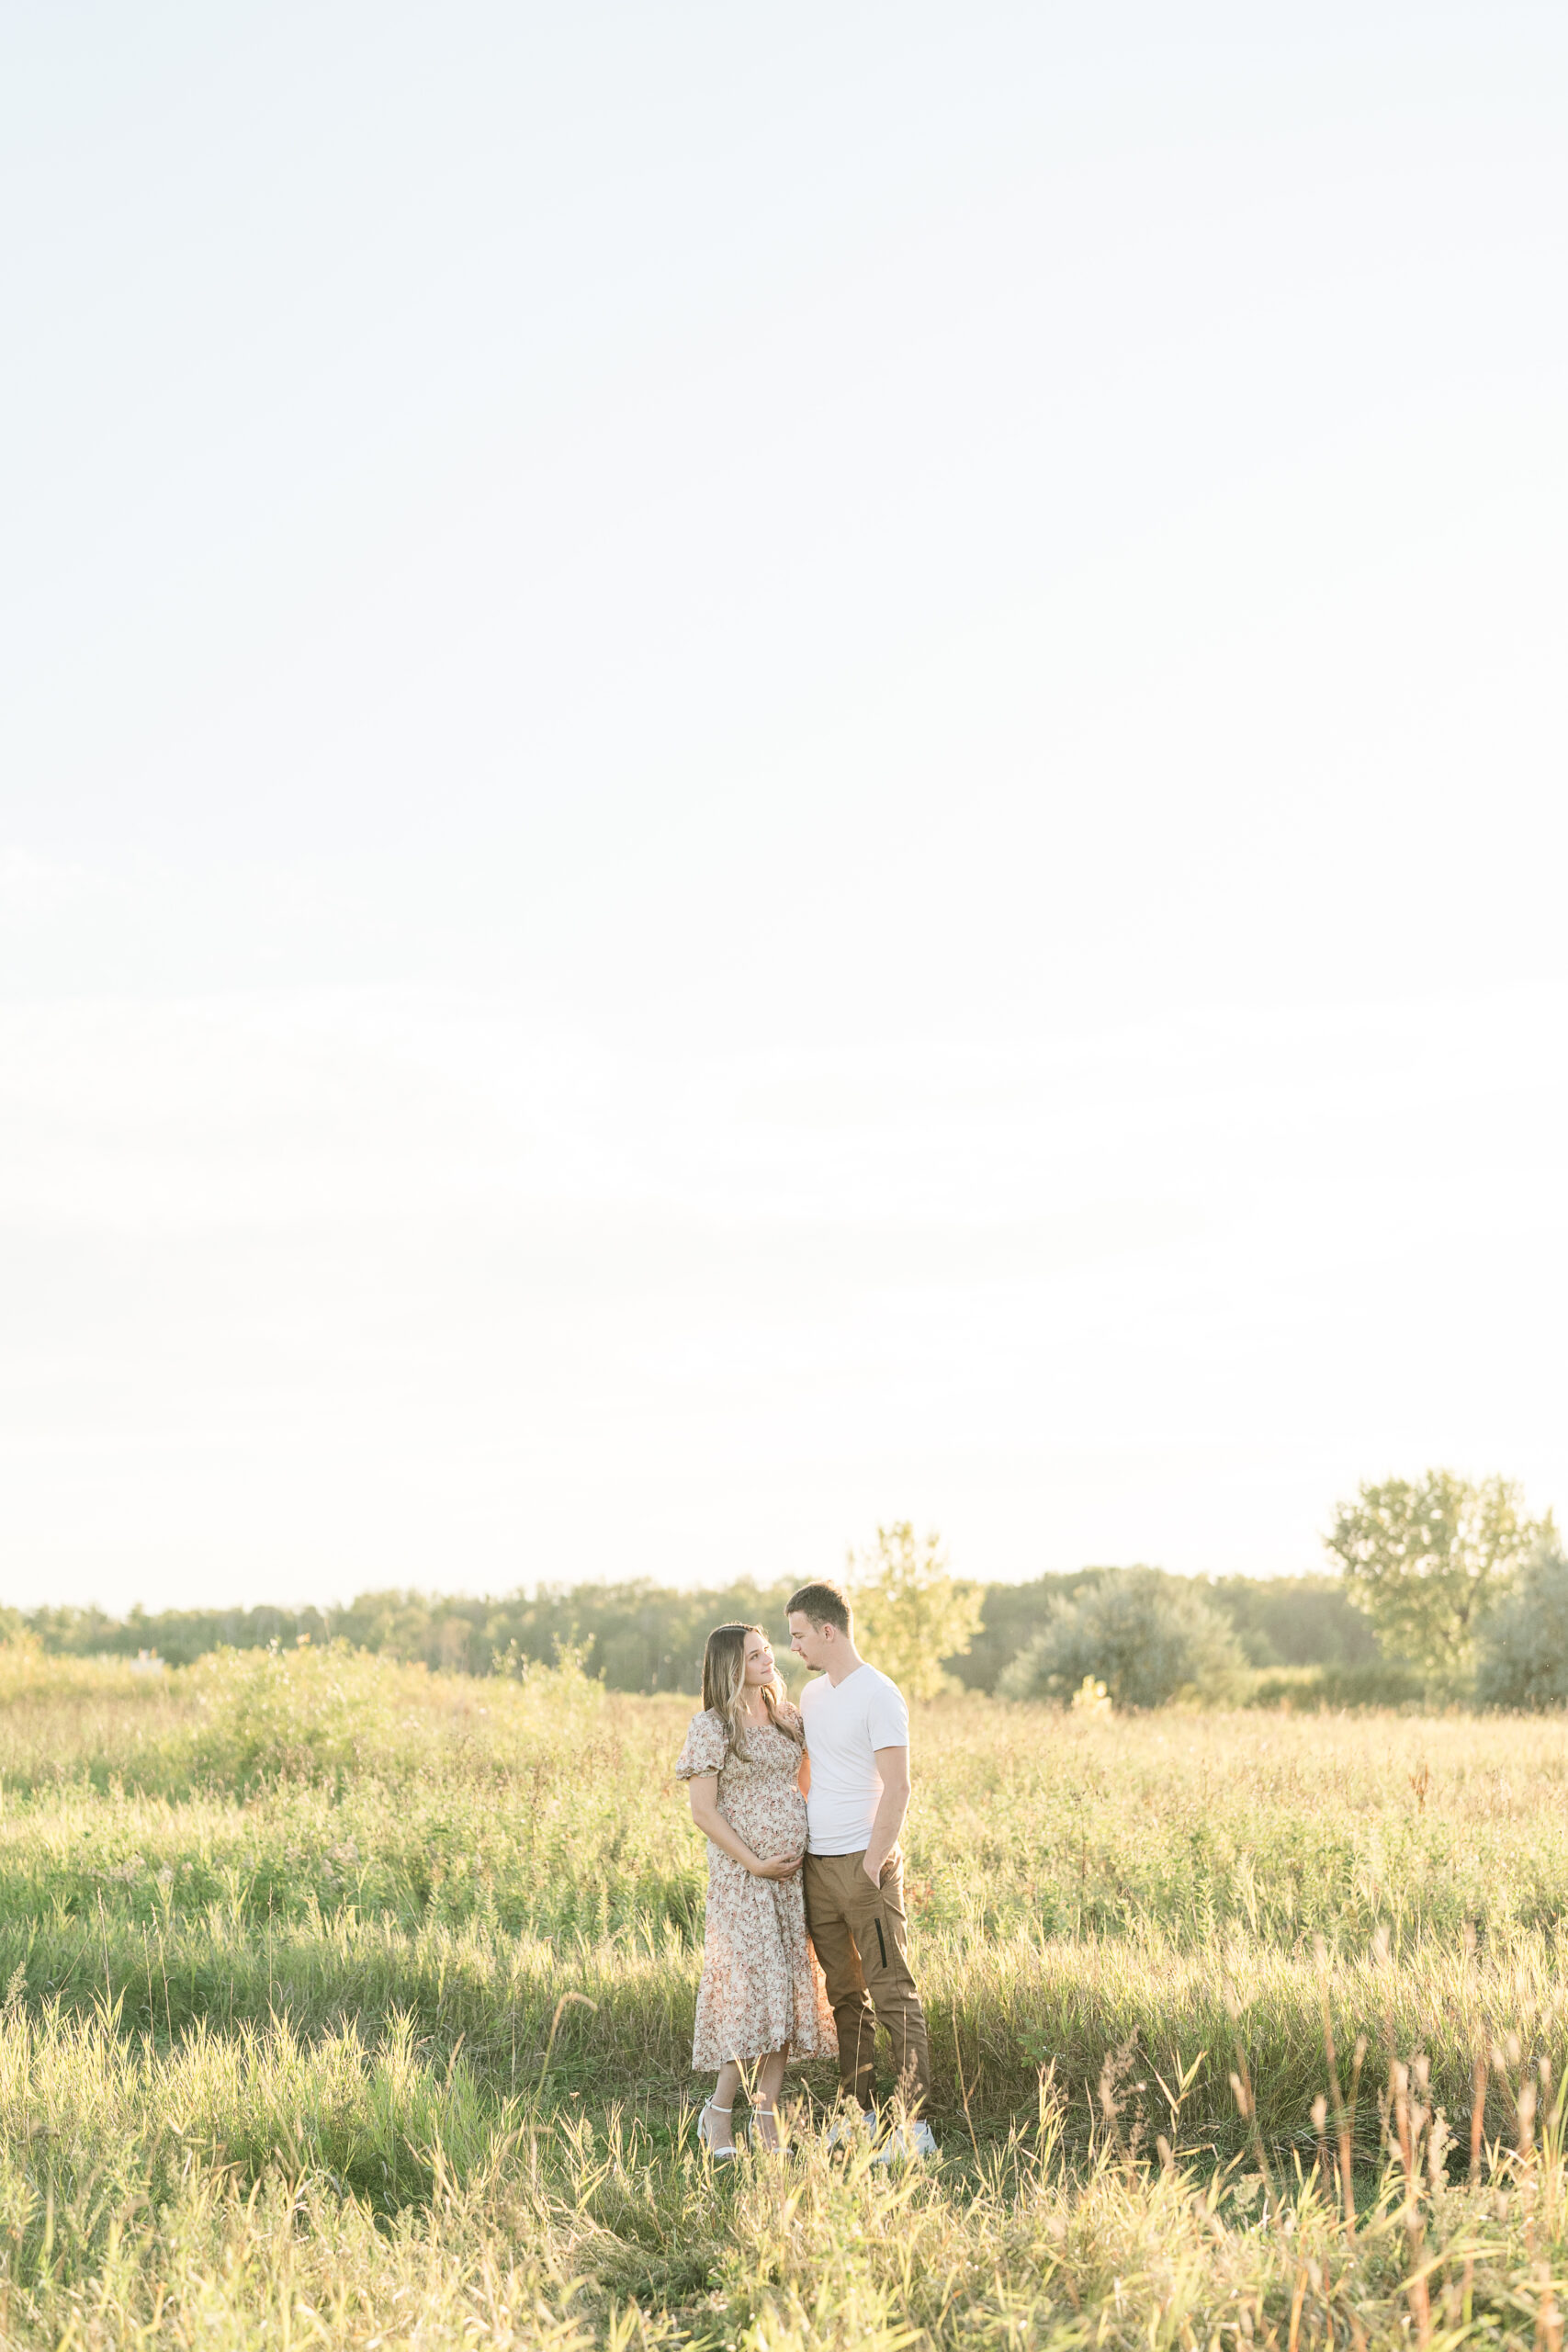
724	1684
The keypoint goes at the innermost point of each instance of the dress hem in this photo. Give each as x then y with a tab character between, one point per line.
747	2057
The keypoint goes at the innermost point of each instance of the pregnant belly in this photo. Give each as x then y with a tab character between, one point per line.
775	1829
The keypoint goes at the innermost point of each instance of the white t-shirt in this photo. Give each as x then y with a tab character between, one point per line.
844	1728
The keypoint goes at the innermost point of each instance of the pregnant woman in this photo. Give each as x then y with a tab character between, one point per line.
762	1999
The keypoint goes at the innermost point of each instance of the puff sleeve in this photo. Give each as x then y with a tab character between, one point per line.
704	1747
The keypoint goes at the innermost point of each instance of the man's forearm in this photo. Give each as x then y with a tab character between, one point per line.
891	1807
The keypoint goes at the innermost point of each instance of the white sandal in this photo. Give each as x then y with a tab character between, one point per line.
719	2155
763	2115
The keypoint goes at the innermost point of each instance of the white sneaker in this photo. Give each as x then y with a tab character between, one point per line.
848	2128
904	2142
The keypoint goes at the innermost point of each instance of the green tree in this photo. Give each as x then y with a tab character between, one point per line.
1524	1642
909	1612
1428	1558
1150	1638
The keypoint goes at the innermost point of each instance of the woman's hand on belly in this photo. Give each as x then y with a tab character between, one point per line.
783	1866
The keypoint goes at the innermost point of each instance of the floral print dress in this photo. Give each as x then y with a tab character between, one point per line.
762	1989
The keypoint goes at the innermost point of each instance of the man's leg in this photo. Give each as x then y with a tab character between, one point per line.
828	1880
876	1922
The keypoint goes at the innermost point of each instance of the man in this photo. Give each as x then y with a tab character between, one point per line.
857	1792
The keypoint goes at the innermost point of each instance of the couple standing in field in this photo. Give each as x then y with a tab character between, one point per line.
806	1948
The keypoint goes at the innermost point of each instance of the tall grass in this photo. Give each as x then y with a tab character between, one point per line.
348	2004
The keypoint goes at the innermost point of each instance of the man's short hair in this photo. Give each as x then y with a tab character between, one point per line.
824	1603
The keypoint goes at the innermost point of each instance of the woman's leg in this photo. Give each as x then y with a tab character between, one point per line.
764	2101
719	2130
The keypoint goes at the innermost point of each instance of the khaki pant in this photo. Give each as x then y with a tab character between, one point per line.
861	1940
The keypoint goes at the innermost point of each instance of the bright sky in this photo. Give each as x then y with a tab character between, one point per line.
767	768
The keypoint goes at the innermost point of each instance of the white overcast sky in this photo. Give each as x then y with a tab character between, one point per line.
764	768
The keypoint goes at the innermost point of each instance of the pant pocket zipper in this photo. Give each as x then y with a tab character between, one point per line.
881	1941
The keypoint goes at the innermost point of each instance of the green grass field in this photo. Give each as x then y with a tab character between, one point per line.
346	2005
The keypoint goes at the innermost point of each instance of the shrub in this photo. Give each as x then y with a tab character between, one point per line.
1524	1644
331	1715
1148	1637
1314	1690
304	1714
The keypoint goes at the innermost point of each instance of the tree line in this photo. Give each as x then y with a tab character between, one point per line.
639	1636
1443	1591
